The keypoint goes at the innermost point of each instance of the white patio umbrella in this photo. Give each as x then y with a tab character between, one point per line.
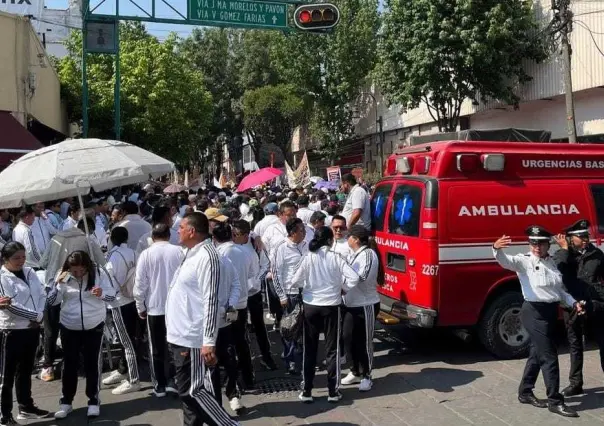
74	167
186	181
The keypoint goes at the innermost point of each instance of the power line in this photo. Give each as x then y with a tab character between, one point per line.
581	24
593	32
593	12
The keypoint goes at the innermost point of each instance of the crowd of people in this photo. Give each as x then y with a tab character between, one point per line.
191	274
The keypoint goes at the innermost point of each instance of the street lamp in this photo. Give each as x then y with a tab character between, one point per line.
379	121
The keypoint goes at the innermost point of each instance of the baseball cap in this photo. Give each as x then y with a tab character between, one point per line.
215	214
271	208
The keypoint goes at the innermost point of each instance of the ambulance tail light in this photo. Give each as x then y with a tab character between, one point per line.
404	165
391	166
468	163
430	224
493	162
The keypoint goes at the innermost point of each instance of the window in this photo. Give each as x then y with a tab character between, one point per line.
379	202
405	211
598	193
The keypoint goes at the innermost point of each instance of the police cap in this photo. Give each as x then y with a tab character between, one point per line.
580	227
536	232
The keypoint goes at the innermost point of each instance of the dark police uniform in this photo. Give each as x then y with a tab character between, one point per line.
543	291
582	273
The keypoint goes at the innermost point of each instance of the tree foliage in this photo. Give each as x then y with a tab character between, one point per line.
332	69
442	52
165	106
212	52
271	115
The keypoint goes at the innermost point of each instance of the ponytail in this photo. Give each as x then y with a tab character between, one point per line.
323	238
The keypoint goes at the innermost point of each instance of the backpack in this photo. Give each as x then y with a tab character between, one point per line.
127	287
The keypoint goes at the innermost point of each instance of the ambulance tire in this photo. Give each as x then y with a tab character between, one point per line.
489	329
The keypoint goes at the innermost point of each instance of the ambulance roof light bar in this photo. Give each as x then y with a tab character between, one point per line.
404	165
470	162
493	162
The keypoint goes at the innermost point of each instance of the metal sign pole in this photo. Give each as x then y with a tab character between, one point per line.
116	96
84	85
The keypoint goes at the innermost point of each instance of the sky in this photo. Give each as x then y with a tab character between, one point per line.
162	10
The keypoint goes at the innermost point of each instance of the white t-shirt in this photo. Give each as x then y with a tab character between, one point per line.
358	199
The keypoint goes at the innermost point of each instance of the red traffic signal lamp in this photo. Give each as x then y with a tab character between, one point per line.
319	16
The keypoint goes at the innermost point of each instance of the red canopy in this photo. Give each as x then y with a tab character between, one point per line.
15	140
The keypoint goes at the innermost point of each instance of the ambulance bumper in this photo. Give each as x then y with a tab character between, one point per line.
410	315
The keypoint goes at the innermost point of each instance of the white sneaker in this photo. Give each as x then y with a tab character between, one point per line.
351	379
235	404
94	410
365	385
305	397
114	378
64	410
126	387
160	392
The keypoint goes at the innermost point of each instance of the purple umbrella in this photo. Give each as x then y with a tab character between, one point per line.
329	184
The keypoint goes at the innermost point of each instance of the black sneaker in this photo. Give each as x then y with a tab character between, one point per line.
31	412
8	421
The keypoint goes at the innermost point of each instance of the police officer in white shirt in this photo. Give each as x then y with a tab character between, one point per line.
192	323
323	275
121	265
357	208
154	271
543	292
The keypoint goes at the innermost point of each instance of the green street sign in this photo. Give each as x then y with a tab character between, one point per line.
243	13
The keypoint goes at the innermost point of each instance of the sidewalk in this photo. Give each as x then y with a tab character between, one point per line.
445	382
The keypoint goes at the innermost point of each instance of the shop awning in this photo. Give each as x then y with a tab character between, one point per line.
15	140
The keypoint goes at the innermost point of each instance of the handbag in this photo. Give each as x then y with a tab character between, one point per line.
291	324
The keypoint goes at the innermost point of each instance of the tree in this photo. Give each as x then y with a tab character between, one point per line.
164	103
212	51
331	70
271	115
442	52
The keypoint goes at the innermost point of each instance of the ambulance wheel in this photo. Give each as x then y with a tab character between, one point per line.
500	329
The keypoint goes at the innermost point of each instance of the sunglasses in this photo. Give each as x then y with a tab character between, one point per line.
538	243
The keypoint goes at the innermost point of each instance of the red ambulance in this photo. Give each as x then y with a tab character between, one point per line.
440	207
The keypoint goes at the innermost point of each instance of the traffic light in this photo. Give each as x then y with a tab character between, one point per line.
319	16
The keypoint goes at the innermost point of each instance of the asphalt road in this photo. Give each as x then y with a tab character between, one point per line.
443	381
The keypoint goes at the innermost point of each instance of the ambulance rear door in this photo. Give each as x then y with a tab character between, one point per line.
408	259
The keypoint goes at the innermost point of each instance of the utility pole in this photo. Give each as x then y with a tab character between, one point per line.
380	123
563	17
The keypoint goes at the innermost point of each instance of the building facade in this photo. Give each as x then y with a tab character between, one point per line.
30	91
542	103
